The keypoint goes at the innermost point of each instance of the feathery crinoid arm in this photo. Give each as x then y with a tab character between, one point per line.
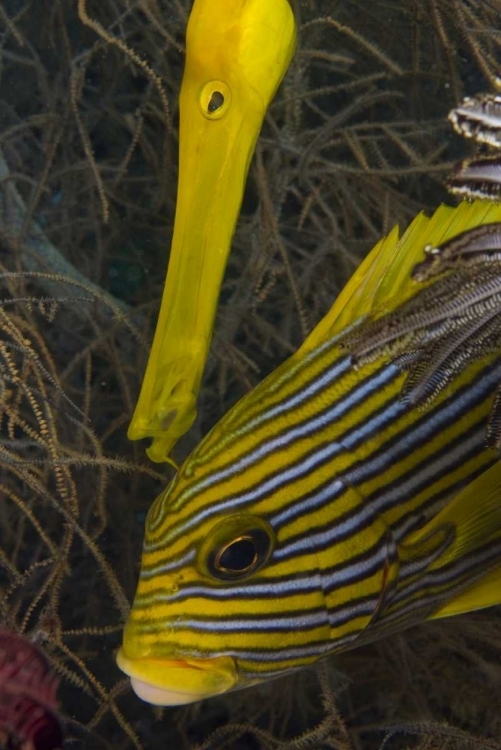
385	280
452	320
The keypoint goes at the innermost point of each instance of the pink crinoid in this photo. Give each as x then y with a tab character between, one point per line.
28	706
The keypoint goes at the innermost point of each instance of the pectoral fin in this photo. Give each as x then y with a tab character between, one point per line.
464	539
485	593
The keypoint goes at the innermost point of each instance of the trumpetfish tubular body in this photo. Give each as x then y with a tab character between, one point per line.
327	509
237	52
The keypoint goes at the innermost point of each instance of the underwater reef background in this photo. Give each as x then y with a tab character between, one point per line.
356	141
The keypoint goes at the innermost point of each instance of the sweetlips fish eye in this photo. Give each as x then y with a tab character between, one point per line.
236	548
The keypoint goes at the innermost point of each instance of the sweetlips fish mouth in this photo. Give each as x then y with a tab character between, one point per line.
175	682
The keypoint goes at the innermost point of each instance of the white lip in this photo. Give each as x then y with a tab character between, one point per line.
161	697
175	682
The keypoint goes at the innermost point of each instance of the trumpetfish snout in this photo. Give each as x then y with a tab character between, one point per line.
237	52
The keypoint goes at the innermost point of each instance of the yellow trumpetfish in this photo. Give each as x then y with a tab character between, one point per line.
237	52
326	509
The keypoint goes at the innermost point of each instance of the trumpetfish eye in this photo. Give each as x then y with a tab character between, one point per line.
236	548
215	100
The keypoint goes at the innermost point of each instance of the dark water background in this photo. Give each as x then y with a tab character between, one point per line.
356	141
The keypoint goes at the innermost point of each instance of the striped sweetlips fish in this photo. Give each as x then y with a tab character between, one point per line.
335	503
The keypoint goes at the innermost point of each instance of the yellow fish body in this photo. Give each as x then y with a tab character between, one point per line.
324	510
237	52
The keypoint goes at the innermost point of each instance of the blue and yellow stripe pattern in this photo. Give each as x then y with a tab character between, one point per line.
324	510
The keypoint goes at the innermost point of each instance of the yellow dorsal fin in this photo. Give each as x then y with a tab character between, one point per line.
383	278
470	522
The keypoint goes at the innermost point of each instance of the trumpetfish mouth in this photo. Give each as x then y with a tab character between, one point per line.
175	682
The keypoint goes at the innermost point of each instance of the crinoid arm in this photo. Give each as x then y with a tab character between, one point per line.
451	320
